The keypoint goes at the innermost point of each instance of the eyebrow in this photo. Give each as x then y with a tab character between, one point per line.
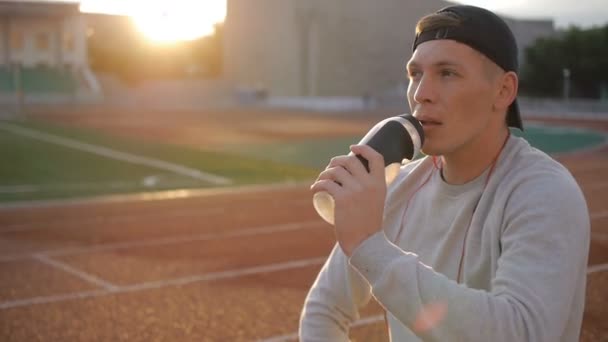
441	63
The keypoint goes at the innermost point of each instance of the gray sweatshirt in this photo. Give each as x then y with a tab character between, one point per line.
523	260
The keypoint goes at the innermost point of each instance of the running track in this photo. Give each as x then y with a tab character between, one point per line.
205	266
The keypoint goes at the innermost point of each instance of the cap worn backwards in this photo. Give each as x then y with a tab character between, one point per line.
485	32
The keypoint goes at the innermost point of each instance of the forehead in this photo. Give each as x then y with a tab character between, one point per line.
441	50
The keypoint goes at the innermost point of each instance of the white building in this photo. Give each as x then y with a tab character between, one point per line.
46	42
330	47
50	33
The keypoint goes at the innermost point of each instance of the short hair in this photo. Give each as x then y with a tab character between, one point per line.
434	21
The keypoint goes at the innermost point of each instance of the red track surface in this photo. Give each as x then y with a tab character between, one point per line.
212	267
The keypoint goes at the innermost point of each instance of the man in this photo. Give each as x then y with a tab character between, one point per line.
484	240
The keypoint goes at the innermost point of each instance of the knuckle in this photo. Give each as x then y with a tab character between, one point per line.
379	157
337	160
351	161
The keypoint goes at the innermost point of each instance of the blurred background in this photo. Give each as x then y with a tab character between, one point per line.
155	155
312	54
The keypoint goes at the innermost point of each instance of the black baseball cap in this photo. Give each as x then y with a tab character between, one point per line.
485	32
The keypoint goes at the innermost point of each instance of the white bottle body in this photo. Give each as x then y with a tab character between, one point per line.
324	203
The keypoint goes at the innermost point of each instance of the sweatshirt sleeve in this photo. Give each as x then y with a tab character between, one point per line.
333	301
544	242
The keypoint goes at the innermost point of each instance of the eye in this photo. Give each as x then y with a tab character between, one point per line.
414	74
448	73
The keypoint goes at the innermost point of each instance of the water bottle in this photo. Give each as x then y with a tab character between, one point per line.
398	139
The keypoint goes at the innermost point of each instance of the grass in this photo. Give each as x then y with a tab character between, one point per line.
557	139
33	169
38	170
317	153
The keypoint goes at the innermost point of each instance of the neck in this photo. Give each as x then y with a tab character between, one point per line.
472	159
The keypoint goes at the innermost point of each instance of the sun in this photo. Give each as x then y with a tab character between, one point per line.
173	21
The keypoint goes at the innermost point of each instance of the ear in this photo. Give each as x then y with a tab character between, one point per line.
508	86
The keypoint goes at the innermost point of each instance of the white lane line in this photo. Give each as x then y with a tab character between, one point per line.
52	299
172	240
380	318
114	154
294	336
106	285
202	237
597	268
283	266
133	185
89	222
226	274
158	195
599	215
602	237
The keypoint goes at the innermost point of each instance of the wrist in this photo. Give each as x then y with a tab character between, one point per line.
350	242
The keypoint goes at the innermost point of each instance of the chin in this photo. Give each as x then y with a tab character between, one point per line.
431	150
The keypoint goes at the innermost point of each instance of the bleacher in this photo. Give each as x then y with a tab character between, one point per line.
38	80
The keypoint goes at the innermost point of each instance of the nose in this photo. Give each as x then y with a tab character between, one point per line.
423	90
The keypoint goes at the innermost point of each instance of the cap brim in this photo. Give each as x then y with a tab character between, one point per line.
514	117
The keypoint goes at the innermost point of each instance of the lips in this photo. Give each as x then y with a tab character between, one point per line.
427	121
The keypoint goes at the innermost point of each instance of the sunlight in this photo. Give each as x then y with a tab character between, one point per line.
165	22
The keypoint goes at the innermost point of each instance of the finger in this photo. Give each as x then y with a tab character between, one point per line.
374	159
351	163
338	174
337	161
326	185
356	166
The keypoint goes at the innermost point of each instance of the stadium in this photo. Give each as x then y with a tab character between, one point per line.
179	209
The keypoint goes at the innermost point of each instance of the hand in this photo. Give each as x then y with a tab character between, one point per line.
358	195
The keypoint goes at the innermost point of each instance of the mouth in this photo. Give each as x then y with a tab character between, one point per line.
429	122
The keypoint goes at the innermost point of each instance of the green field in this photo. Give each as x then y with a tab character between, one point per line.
317	153
33	169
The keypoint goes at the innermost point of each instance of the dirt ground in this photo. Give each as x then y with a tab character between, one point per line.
214	265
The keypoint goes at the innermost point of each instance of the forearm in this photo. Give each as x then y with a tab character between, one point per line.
322	323
407	289
333	301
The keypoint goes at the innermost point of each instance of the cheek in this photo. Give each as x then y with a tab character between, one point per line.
410	95
470	102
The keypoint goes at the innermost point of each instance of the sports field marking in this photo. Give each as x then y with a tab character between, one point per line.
189	238
106	285
380	318
599	215
283	266
171	240
90	221
29	188
129	185
114	154
597	268
358	323
200	278
155	195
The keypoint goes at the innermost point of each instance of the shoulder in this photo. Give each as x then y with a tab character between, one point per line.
536	184
527	165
